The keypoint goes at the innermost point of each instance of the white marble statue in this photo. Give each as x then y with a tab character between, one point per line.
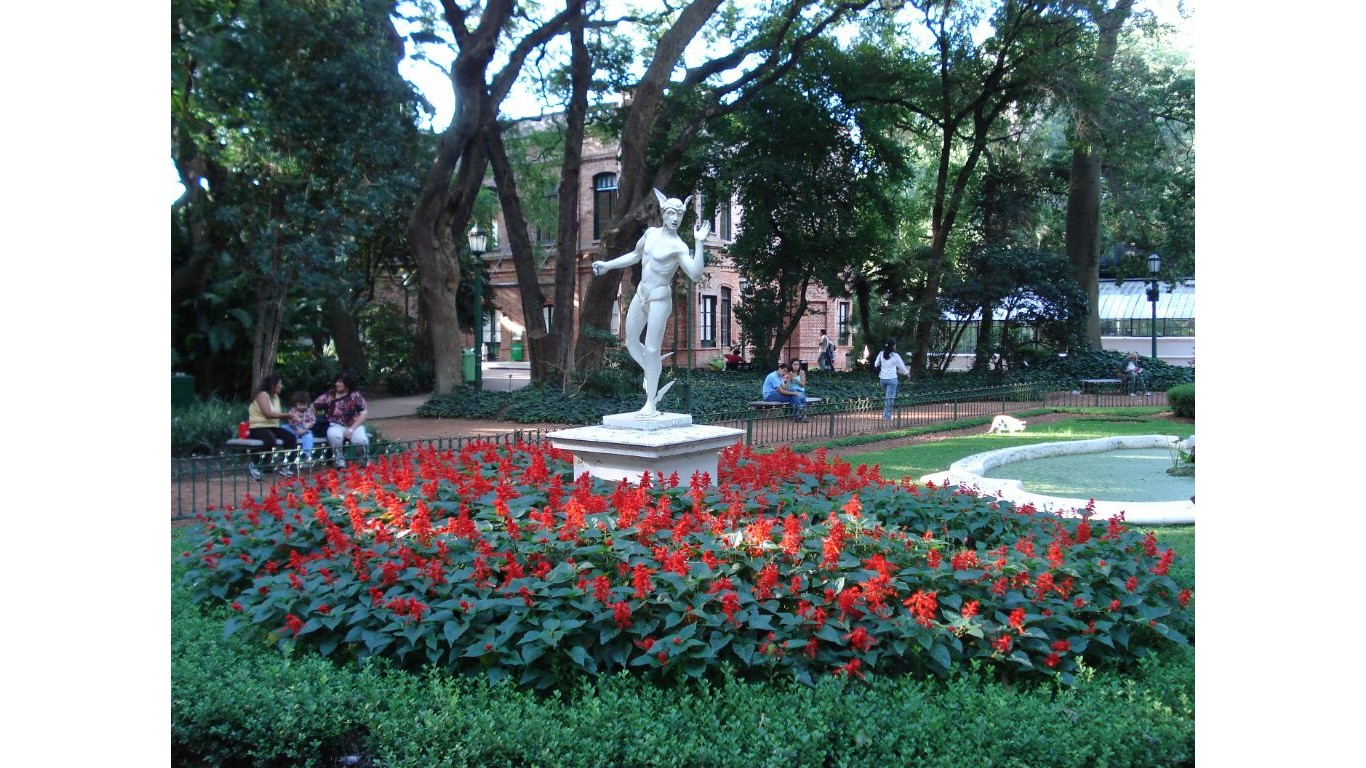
661	252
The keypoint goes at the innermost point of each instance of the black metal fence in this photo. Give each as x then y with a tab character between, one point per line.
778	426
207	482
201	483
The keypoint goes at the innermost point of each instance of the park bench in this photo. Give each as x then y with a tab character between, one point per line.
765	404
1096	385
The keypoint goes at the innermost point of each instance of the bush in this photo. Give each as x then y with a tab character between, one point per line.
249	704
411	379
1065	371
308	373
496	563
1182	400
199	429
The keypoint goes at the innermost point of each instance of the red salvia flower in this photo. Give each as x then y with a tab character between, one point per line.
964	560
730	605
853	507
970	608
860	639
1001	644
1016	619
293	624
922	606
621	614
1183	597
768	579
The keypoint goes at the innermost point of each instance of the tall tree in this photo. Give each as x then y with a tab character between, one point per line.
1088	137
954	96
664	117
451	184
291	131
817	180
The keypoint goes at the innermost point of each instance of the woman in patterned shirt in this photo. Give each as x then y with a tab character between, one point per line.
346	411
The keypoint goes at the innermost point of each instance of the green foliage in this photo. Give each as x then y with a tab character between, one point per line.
302	370
1182	400
391	340
794	567
295	139
199	429
1104	364
238	703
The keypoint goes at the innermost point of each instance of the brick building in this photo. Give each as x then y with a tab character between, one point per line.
712	328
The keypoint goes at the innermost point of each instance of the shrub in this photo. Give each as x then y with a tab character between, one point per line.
314	375
200	428
494	563
409	378
236	703
1182	400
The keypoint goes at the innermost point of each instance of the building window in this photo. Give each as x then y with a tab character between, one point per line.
843	329
725	318
707	332
723	222
604	197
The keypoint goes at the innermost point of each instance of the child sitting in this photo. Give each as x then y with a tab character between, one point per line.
301	420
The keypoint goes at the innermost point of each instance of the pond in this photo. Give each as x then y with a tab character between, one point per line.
1129	474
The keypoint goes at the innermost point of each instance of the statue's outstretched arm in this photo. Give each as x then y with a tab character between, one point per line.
693	267
624	260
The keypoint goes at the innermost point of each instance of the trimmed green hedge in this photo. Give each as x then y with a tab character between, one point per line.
235	703
1182	400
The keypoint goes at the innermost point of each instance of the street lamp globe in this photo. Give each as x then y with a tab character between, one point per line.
479	240
1154	264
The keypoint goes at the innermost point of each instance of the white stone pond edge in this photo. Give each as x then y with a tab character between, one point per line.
969	473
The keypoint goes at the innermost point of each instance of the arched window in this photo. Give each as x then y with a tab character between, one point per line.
604	197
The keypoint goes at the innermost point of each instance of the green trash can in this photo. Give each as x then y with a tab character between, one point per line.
467	363
182	390
516	350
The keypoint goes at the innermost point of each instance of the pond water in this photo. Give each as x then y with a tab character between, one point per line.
1127	474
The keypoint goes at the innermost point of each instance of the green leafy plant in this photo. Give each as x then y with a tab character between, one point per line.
495	562
199	429
1182	400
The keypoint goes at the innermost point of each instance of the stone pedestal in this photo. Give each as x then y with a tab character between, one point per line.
627	447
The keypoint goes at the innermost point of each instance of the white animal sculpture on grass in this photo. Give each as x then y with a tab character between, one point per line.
1003	424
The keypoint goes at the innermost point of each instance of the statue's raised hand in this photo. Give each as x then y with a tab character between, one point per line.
701	231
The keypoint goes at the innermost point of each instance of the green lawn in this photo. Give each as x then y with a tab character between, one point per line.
916	461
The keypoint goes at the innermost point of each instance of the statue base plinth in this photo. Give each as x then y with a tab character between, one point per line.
616	453
664	420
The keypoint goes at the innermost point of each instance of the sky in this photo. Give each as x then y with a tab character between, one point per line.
434	84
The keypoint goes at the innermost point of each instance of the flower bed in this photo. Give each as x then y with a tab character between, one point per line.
494	561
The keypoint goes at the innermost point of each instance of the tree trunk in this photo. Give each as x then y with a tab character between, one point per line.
1083	234
1084	188
560	346
341	324
635	203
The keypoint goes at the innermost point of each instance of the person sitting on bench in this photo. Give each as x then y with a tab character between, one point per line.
346	412
776	390
1134	375
263	419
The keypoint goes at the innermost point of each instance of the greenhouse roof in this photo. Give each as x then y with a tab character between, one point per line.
1130	300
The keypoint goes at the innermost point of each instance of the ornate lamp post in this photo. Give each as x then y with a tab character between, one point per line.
478	241
1154	266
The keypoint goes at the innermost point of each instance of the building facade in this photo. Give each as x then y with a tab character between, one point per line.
700	329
